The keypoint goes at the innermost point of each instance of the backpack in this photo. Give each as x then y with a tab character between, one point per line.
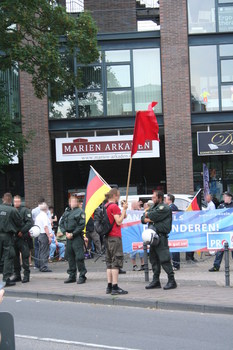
101	221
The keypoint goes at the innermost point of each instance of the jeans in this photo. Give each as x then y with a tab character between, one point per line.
176	260
218	259
61	249
36	250
43	251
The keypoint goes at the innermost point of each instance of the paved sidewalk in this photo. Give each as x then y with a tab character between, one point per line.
198	289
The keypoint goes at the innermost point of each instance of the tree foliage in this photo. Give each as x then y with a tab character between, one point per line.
40	38
31	33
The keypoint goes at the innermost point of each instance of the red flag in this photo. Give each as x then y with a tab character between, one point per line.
146	128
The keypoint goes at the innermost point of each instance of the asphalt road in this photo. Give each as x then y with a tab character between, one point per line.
40	324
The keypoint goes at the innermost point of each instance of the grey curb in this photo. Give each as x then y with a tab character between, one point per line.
122	301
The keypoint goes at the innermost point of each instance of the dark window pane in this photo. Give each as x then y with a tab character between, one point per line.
65	107
204	79
225	19
90	104
9	84
227	98
119	103
91	77
147	79
201	15
227	70
118	76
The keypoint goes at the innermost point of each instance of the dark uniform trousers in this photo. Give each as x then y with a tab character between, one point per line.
75	255
43	251
160	256
21	246
7	253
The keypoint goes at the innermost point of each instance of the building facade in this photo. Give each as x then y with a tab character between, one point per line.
185	64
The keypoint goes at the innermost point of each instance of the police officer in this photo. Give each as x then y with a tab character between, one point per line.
72	224
159	217
21	243
10	224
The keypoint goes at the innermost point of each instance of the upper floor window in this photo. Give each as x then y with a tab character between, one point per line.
210	16
123	82
211	70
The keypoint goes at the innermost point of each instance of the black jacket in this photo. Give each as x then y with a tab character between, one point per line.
26	216
10	219
161	215
73	221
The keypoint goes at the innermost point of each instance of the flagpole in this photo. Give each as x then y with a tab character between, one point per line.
128	180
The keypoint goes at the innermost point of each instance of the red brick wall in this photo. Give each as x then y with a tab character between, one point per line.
176	96
113	15
37	159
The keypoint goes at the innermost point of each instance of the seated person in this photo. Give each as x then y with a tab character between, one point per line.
53	246
133	259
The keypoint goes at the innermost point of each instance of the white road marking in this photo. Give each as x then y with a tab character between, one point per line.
67	342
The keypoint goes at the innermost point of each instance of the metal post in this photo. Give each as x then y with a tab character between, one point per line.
146	262
227	267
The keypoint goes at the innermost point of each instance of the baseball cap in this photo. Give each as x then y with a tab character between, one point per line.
228	194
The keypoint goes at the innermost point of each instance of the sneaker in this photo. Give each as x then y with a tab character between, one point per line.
122	272
142	268
119	291
214	269
108	290
135	268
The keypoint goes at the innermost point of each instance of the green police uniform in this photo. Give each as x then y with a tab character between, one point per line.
10	224
161	215
73	221
21	245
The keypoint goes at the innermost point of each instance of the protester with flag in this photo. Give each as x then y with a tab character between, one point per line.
114	249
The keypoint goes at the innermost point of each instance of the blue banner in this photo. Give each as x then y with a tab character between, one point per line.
189	230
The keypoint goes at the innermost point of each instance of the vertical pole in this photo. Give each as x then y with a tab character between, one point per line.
146	262
227	267
128	180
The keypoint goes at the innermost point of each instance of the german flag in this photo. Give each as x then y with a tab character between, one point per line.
196	202
95	193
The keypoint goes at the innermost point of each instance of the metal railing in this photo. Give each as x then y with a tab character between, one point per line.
74	6
150	3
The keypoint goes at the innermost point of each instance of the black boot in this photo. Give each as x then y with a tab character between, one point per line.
9	283
153	285
25	279
171	284
81	280
70	280
16	278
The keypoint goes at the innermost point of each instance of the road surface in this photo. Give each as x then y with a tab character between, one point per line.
41	324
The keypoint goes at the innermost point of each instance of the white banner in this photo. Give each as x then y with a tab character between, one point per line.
102	148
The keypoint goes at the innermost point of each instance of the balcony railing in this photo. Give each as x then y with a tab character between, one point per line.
74	6
150	3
